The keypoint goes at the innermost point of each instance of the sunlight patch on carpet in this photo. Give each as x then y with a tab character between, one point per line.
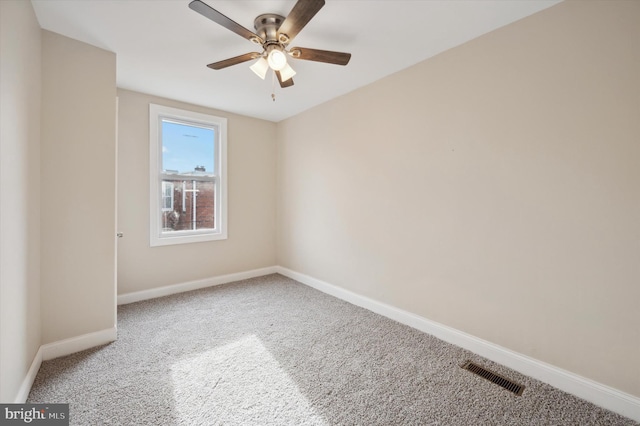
239	383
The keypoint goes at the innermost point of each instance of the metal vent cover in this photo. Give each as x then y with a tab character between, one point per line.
493	377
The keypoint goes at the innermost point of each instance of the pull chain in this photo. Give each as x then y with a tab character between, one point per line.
273	86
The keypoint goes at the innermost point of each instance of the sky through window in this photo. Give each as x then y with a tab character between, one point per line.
185	147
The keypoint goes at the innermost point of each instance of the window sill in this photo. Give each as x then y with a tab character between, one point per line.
158	241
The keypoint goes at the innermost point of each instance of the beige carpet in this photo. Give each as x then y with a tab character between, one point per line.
271	351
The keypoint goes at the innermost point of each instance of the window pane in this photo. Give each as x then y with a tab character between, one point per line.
193	206
167	202
167	196
187	149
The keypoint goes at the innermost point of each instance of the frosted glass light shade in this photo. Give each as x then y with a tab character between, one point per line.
287	72
260	67
277	59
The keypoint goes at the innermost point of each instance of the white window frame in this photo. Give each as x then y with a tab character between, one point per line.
156	235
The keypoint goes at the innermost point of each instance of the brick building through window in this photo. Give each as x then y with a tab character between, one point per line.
193	206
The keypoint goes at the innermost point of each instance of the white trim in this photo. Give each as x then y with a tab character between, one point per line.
116	226
592	391
90	340
597	393
58	349
152	293
27	383
78	343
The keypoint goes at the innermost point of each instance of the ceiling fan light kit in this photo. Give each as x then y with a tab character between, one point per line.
276	58
260	67
287	72
273	34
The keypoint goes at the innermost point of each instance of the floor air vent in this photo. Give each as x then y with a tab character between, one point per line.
493	377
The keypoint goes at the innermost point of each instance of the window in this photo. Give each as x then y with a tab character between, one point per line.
167	196
188	176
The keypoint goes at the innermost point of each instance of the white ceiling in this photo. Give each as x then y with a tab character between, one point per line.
163	46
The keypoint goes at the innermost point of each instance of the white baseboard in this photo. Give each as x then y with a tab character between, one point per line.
152	293
78	343
62	348
90	340
597	393
25	388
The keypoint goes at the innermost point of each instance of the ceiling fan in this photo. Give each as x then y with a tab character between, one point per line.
273	34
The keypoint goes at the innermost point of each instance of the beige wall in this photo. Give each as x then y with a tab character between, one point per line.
251	197
494	188
20	47
78	188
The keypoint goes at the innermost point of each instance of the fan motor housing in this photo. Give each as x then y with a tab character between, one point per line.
267	25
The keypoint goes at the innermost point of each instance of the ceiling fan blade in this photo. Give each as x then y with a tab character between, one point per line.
299	16
286	83
234	61
217	17
337	58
